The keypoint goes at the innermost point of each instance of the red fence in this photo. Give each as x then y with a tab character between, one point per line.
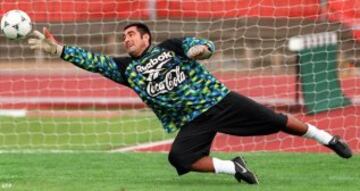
346	12
233	8
78	10
83	10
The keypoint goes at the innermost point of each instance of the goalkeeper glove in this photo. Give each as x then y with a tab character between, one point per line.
46	42
199	52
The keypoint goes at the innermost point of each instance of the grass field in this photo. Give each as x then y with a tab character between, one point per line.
46	170
78	133
141	171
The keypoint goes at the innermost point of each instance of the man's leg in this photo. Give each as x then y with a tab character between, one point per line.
192	154
250	118
297	127
191	148
205	164
236	167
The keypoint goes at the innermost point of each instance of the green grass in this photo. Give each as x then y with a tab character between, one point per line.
78	133
92	171
139	171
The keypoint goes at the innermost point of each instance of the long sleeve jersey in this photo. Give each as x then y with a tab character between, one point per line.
175	87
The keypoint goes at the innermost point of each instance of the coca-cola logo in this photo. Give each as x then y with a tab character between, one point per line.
161	74
172	79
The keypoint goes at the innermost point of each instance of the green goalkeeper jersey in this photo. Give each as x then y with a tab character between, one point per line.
175	87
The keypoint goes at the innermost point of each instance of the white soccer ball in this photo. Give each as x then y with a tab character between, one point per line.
16	24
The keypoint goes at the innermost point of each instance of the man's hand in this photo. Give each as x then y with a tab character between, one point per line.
199	52
46	42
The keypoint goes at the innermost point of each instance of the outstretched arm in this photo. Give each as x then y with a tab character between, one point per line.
84	59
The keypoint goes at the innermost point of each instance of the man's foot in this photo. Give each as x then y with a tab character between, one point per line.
243	173
339	146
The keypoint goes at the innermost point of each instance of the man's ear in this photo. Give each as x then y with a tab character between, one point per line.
146	37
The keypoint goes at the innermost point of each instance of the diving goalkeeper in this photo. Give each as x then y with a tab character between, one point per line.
186	97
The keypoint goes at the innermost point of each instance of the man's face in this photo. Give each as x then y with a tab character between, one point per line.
134	43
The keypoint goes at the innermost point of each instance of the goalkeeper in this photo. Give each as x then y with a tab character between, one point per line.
186	97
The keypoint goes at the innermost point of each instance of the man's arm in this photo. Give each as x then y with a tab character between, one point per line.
92	62
198	49
191	47
89	61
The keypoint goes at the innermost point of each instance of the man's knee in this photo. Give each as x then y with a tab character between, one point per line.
180	162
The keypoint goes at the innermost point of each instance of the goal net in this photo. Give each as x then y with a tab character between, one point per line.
298	57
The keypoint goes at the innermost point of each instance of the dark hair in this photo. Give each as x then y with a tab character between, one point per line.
141	27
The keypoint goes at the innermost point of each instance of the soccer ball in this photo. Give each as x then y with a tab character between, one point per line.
16	24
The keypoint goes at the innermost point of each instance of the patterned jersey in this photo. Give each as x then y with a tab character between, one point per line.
175	87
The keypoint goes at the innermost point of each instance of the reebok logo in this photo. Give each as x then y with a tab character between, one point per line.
162	58
154	72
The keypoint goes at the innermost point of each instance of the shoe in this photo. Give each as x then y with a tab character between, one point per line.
243	173
339	146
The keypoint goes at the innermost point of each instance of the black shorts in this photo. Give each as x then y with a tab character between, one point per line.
234	115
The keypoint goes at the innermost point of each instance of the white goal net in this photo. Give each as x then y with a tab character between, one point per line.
48	104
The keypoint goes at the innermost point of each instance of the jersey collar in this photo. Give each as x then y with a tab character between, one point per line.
143	53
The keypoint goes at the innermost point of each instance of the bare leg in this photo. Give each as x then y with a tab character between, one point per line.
299	128
236	167
295	126
215	165
204	164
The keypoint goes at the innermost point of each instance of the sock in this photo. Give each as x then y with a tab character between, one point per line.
320	136
223	166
